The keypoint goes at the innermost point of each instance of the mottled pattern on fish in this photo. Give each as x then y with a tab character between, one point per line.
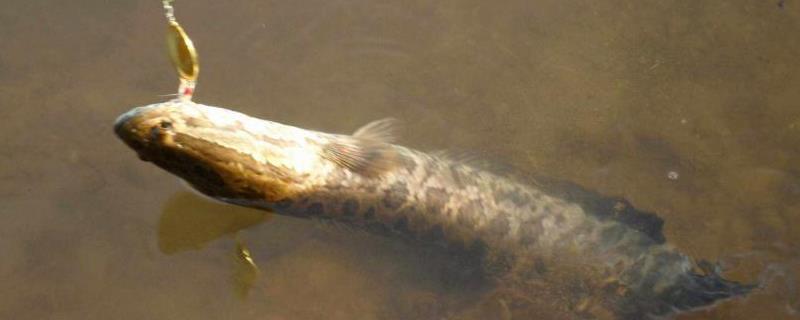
364	180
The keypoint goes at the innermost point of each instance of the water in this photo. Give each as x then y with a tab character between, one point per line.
688	109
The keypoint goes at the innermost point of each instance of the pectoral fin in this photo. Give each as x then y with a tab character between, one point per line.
367	151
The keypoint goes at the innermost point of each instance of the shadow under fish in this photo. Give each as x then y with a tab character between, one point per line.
189	222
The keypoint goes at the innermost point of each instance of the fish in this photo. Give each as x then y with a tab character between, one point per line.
525	231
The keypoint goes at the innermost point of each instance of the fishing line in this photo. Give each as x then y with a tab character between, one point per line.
182	53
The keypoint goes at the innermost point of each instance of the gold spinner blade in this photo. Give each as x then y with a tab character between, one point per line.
182	52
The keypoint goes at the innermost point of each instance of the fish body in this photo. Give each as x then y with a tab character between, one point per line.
366	181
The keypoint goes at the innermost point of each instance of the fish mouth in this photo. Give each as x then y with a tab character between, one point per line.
121	123
125	127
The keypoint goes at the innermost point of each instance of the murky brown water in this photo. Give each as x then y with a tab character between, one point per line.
613	95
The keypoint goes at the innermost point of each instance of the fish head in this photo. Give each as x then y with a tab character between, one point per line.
223	154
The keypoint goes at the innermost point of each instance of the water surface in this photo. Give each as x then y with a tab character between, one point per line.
686	108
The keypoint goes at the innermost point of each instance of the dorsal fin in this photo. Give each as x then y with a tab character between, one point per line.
601	206
383	130
478	161
367	151
605	207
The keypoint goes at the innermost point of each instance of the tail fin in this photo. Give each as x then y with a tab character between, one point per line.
692	291
702	290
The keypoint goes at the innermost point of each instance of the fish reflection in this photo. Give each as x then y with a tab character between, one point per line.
189	222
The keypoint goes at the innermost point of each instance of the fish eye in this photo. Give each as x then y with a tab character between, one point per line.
157	131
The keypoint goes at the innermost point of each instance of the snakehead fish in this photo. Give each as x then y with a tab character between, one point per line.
523	230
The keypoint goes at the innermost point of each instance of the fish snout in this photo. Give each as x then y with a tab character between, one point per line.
123	119
126	127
